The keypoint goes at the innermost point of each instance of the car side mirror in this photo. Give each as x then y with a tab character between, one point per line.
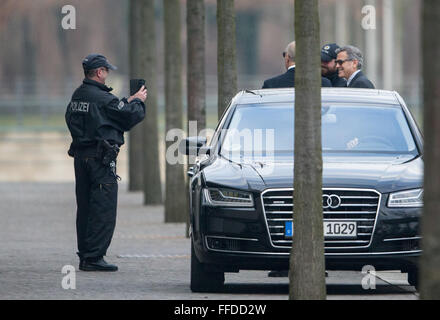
205	150
194	146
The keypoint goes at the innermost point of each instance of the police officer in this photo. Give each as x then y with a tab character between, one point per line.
328	65
97	120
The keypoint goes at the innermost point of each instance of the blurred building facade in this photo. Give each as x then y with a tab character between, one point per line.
40	62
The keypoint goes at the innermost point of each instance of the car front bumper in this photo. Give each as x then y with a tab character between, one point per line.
234	239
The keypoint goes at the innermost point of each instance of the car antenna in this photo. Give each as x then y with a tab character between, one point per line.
250	91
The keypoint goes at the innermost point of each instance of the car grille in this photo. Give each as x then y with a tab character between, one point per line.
356	205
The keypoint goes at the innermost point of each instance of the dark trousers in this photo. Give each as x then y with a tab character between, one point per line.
96	198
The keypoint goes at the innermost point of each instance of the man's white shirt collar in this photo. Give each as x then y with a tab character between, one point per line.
291	67
352	77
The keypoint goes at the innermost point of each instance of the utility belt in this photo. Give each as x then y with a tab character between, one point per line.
103	151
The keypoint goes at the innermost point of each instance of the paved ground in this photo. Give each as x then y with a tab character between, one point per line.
37	236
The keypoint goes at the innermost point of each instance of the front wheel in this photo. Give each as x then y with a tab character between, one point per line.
203	279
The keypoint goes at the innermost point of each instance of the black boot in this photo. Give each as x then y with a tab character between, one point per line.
96	265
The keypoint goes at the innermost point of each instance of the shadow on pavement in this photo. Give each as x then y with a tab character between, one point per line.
354	289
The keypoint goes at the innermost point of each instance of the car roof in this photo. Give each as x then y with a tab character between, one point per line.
342	95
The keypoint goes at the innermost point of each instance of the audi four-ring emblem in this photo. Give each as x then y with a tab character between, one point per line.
332	201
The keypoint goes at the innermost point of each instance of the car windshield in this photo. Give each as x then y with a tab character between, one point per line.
262	130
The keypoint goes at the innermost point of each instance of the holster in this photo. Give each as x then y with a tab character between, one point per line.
107	152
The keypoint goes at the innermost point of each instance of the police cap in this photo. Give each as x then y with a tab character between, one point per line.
328	52
94	60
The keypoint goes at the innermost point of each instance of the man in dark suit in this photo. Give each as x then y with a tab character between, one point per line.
349	63
287	79
328	65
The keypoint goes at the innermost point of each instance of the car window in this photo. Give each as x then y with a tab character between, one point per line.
269	129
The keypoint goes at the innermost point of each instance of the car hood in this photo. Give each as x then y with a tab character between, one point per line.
384	173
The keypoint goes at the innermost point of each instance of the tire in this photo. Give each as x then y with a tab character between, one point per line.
413	278
203	279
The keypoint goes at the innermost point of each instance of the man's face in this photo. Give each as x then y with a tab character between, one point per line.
328	67
102	74
345	67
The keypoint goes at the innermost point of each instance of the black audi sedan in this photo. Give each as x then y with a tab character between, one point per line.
241	185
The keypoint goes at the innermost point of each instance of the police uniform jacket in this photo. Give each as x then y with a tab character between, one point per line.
95	114
336	81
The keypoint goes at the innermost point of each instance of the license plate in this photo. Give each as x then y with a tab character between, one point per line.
340	229
332	229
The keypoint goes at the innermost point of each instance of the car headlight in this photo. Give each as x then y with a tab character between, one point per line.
410	198
227	197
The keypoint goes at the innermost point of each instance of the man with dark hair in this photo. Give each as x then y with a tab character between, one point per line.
328	65
349	63
287	79
91	73
97	121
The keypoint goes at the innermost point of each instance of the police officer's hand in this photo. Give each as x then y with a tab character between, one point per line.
141	95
